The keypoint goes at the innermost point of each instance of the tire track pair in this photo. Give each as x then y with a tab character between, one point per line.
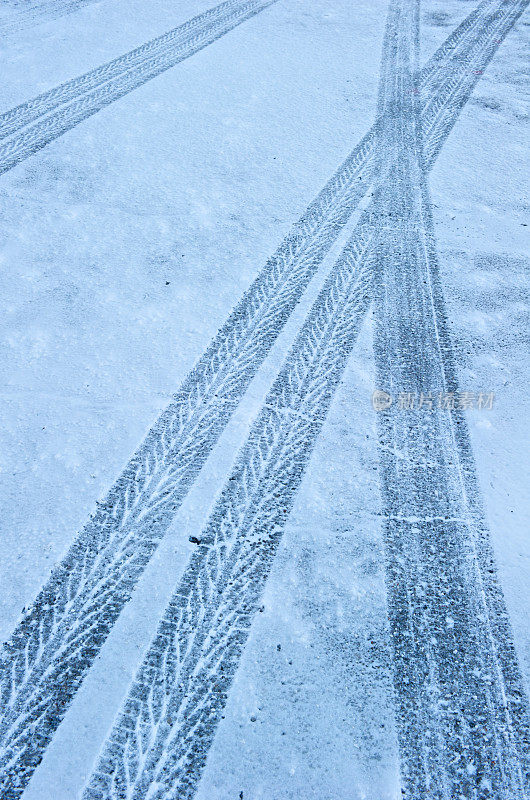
37	13
463	717
53	647
35	123
159	746
160	742
16	118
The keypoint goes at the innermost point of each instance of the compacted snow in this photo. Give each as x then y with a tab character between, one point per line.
286	594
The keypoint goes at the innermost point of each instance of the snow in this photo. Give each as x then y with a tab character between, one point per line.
124	245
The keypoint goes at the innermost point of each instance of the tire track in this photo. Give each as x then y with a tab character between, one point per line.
29	127
54	645
38	13
159	744
463	718
16	118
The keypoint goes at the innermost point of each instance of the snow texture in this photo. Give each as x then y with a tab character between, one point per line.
223	574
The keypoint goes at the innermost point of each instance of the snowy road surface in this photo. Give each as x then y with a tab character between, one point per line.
288	586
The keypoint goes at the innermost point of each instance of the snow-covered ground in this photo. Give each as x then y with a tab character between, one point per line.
125	244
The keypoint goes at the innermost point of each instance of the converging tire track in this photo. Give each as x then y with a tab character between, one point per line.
53	647
29	127
463	717
160	742
159	745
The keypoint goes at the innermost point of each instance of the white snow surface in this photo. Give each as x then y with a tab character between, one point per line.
124	245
